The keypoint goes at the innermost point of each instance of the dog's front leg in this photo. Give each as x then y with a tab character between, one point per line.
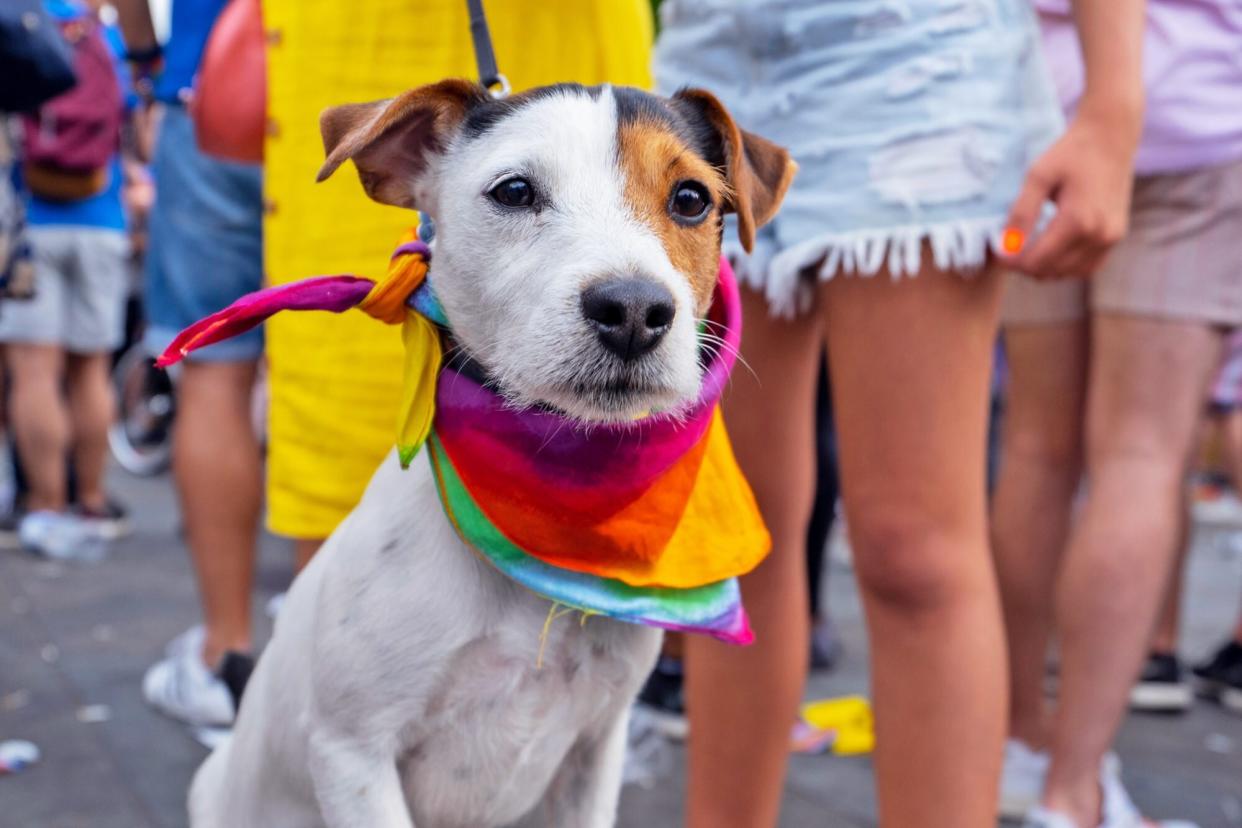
356	784
587	787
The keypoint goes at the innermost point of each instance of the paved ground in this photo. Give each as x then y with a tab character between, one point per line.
74	641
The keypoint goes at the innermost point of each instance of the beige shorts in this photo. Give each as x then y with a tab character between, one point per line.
1181	260
81	284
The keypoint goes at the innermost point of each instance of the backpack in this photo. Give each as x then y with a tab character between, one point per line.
70	142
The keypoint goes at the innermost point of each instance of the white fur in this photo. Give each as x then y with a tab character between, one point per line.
402	686
519	313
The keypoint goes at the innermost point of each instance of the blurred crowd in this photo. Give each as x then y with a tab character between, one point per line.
1014	247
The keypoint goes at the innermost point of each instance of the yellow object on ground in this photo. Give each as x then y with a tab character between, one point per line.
336	380
849	717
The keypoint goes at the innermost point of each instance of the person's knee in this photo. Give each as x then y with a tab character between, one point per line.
210	392
1051	452
912	561
94	366
34	366
1050	445
88	377
1137	446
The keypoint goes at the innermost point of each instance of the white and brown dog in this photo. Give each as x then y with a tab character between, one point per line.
578	235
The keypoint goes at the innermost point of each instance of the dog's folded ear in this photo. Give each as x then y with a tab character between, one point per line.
390	141
758	171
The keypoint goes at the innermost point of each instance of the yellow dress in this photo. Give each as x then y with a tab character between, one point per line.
335	381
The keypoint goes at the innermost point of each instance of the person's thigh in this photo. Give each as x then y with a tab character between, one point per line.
96	292
769	409
743	700
911	367
34	363
910	362
1046	394
1149	381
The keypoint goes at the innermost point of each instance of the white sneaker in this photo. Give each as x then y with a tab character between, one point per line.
60	536
1022	779
190	641
1222	511
1231	699
1117	810
1041	817
275	604
182	687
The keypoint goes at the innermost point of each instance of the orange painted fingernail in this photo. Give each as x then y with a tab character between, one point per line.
1012	240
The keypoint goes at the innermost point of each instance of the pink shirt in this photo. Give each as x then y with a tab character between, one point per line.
1192	71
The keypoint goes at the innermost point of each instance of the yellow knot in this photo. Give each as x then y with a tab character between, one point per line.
386	301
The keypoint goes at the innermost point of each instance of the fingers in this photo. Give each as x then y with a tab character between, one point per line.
1024	214
1073	245
1049	251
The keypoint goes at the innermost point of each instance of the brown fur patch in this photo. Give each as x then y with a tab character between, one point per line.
654	159
759	172
389	140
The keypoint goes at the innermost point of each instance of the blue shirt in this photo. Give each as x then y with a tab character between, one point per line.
191	24
103	210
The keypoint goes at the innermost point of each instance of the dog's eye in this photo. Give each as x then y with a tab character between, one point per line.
690	201
513	192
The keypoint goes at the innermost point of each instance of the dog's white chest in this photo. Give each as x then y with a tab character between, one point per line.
503	723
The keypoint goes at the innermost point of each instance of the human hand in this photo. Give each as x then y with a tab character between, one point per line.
1088	174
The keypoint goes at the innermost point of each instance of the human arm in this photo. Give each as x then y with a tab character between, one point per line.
134	17
142	49
1088	173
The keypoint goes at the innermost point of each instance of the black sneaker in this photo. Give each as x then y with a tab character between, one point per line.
109	523
235	670
1231	692
1161	687
1221	670
663	699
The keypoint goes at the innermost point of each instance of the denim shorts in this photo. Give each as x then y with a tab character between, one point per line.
206	241
913	122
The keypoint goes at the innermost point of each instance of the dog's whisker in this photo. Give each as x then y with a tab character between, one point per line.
726	346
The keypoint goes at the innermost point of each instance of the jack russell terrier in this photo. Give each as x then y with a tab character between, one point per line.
412	679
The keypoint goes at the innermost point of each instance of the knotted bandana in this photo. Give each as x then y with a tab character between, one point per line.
648	522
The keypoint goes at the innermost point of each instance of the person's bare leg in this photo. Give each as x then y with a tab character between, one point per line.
1031	507
217	465
40	422
911	363
1139	437
1232	432
742	701
303	550
91	412
1169	623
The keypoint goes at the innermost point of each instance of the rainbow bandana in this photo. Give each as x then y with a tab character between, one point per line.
648	522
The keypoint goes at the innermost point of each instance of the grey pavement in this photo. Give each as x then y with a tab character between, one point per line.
75	640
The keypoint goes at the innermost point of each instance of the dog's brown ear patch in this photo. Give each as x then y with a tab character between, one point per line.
390	141
653	159
758	171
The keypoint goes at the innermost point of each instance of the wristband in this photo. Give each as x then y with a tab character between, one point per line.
150	54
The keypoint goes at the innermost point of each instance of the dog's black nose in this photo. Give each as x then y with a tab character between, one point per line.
630	314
